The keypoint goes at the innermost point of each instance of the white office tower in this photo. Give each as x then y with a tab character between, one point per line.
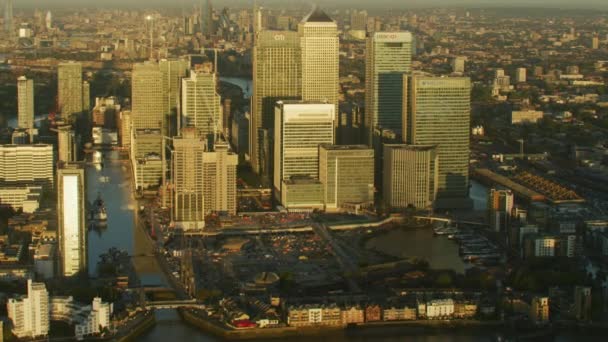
25	103
69	89
201	104
300	127
320	46
30	314
27	164
72	230
48	21
388	59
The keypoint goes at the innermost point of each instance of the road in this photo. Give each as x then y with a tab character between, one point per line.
344	260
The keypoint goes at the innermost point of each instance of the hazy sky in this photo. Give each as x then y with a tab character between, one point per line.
603	4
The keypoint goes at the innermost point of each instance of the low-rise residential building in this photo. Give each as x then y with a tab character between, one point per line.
465	310
526	116
539	310
310	315
373	313
400	313
439	309
353	315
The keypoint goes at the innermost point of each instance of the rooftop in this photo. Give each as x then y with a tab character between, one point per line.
317	16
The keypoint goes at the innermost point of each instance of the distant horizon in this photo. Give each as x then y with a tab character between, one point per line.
360	4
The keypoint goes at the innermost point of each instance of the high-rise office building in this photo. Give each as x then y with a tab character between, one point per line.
320	58
30	314
27	164
147	125
500	208
124	129
347	175
277	75
71	225
358	20
388	60
69	89
86	97
25	103
201	104
8	16
187	175
147	99
219	179
147	146
438	113
67	144
172	70
410	176
300	127
207	18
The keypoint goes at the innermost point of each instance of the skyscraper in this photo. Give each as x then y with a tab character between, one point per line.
147	99
410	176
219	179
25	102
300	128
173	70
30	314
8	16
147	148
347	175
69	89
358	20
388	59
201	104
71	226
67	150
187	176
277	75
438	113
320	58
207	18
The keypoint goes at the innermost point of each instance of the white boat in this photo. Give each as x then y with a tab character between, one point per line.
99	213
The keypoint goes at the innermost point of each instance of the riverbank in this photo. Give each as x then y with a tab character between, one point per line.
420	327
137	328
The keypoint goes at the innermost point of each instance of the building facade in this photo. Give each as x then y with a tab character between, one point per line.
30	314
277	75
438	113
25	103
319	43
410	176
187	177
201	104
388	59
71	217
300	128
147	97
70	93
27	164
347	175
